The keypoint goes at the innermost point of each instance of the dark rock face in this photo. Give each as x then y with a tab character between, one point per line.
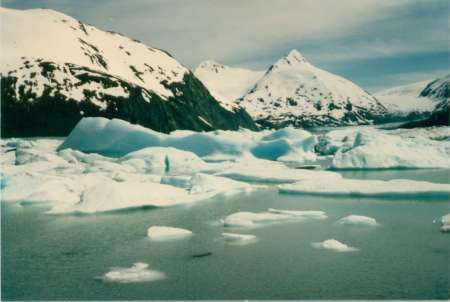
439	117
56	110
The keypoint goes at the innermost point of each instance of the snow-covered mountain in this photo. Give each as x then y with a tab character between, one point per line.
403	100
56	69
293	92
226	83
437	92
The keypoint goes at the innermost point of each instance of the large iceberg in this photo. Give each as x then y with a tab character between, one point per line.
111	195
400	188
117	138
370	148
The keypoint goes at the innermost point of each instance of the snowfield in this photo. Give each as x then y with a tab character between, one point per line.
108	165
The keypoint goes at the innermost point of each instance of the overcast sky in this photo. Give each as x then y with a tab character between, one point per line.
375	43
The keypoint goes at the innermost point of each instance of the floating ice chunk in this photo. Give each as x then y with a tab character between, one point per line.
204	183
304	214
371	188
357	220
111	195
257	170
239	239
136	192
40	188
250	219
163	233
361	150
445	221
334	245
139	272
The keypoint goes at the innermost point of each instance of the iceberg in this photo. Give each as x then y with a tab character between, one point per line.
334	245
357	220
239	239
360	149
110	195
139	272
118	138
445	221
399	188
251	219
265	171
164	233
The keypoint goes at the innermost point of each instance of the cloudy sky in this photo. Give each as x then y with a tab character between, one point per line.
375	43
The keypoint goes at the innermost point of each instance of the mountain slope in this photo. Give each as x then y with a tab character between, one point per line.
56	70
406	99
226	83
439	92
294	92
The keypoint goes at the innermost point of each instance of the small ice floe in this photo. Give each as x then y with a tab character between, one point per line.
357	220
251	219
164	233
399	188
239	239
445	221
334	245
139	272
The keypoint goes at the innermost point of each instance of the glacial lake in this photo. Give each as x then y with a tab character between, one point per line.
47	257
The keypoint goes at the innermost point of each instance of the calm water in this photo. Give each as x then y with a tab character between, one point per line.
406	257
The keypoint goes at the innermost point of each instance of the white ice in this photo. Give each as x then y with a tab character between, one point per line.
239	239
139	272
357	220
369	188
334	245
116	137
445	221
251	219
369	148
164	233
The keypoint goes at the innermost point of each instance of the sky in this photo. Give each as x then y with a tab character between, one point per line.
375	43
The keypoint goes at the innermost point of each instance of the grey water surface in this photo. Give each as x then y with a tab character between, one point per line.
47	257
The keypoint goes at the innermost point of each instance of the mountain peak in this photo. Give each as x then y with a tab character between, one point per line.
211	65
295	55
294	58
